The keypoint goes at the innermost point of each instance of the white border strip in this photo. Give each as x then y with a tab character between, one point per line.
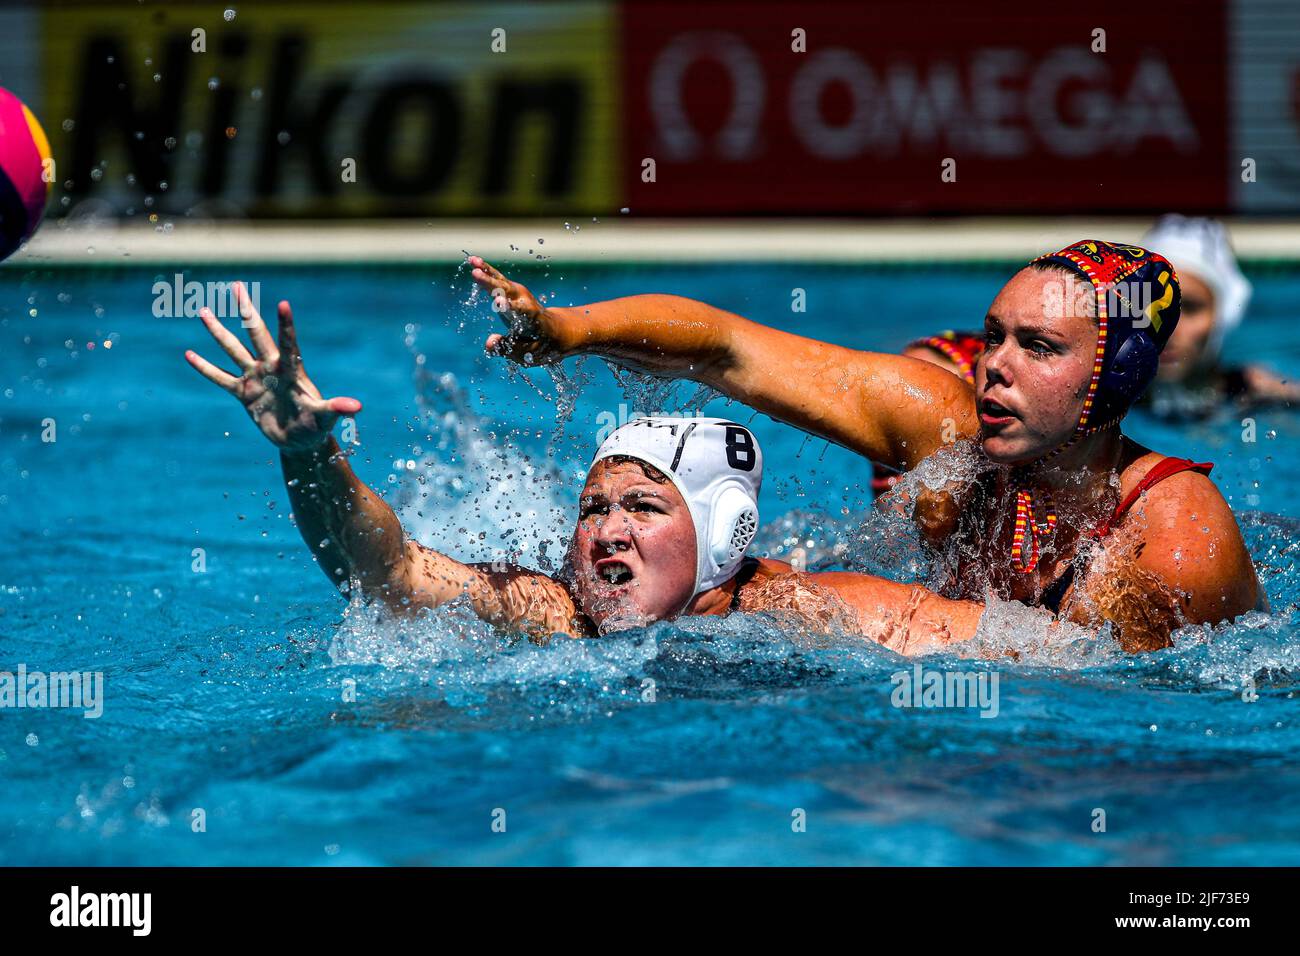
621	239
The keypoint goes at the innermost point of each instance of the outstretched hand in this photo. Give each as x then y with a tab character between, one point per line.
273	387
536	335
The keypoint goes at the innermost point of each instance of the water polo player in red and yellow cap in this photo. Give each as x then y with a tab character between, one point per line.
1049	503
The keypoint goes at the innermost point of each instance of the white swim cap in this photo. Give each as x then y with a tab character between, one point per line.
717	467
1201	246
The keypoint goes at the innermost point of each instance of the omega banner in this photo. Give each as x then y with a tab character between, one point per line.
328	109
906	107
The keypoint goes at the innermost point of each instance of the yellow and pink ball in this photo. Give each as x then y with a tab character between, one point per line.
25	184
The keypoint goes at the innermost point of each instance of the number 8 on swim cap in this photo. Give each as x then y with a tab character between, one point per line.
24	185
717	467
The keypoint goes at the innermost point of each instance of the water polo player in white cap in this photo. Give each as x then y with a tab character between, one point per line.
669	508
1193	381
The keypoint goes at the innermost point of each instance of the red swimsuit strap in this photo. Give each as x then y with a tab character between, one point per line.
1162	470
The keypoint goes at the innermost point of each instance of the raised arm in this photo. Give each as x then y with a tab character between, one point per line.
889	408
354	534
356	537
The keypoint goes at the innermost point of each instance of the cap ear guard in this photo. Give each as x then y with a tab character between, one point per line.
1134	366
732	526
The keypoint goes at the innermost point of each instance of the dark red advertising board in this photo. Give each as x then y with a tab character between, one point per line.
1036	110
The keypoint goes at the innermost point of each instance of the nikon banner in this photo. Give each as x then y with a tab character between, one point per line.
316	109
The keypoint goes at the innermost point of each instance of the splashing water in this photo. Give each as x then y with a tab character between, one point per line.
654	395
476	496
473	495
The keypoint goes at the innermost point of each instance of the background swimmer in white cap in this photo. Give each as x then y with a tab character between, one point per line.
669	508
1192	380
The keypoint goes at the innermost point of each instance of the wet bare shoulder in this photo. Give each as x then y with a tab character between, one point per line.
1178	553
776	588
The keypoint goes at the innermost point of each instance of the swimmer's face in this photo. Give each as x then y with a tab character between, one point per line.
1185	349
1030	383
633	552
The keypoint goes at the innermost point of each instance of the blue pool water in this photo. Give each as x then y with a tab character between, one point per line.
224	689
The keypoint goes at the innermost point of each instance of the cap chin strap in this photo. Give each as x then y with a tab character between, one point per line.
1036	522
